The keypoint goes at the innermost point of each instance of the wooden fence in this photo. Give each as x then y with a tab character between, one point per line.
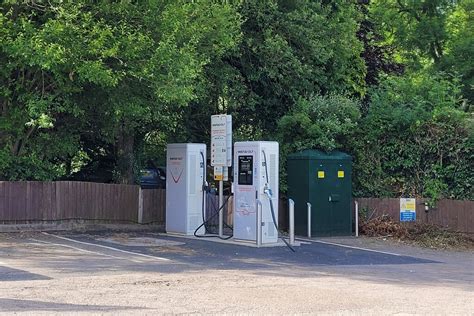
154	207
452	214
30	201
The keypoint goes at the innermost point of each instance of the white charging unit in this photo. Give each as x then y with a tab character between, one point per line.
185	165
255	172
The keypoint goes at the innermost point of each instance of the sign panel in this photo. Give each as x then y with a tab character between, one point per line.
221	140
218	173
221	173
407	210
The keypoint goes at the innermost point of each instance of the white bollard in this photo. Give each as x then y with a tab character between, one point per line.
221	211
309	219
292	222
259	223
357	218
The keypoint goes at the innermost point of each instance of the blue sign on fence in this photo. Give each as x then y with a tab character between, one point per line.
407	210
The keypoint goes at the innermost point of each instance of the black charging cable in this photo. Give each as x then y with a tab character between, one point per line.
268	193
211	217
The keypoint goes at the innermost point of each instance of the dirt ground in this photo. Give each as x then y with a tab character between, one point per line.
149	273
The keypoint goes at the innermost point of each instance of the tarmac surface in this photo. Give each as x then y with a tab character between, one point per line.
152	273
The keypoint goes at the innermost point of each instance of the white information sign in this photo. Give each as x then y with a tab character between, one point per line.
221	140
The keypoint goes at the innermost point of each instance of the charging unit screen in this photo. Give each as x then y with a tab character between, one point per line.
245	170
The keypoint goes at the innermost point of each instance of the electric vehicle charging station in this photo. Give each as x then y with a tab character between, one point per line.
255	187
256	178
185	179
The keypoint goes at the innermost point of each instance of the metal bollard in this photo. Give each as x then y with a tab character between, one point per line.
292	222
259	223
221	212
357	218
309	219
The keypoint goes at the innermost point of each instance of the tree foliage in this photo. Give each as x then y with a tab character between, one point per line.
95	90
431	33
460	46
322	122
289	50
415	140
109	70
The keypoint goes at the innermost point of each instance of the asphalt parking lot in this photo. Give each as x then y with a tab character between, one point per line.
149	273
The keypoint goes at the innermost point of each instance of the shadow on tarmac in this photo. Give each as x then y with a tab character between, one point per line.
18	305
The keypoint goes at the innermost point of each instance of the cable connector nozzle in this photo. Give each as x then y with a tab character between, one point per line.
267	191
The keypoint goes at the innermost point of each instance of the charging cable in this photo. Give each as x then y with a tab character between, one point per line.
268	192
203	207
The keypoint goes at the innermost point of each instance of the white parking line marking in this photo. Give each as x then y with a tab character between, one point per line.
107	247
351	247
80	249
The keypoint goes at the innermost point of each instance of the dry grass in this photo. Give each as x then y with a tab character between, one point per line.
425	235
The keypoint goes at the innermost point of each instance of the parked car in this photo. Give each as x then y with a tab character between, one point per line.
153	178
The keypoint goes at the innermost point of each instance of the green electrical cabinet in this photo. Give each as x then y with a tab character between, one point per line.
324	180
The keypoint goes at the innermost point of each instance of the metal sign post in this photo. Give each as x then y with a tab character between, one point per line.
221	155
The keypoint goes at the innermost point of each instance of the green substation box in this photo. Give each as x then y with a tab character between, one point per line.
324	180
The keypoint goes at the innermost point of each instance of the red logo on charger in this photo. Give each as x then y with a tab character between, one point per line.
176	180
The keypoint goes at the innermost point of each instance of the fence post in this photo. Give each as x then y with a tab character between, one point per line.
357	218
292	222
259	223
140	205
309	219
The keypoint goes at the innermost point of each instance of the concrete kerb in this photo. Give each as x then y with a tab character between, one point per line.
230	241
74	225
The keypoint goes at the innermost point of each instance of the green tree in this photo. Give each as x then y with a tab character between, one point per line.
437	34
320	122
460	46
415	140
99	75
378	55
289	50
417	28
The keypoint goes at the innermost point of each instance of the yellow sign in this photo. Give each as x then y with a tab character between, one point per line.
218	173
340	174
321	174
410	205
407	209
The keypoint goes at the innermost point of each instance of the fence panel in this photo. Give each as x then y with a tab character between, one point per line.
452	214
40	200
120	202
154	206
31	201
